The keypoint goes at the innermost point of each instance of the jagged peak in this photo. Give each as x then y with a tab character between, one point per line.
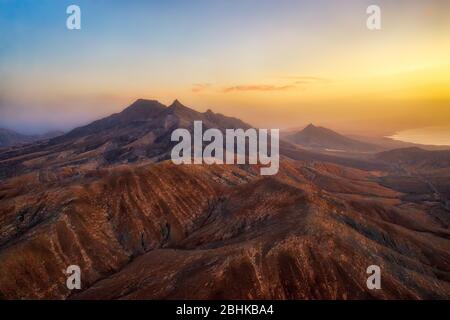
180	109
141	109
310	126
177	104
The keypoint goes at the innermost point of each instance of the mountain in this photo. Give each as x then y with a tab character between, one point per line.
9	138
149	116
141	132
320	138
105	198
161	231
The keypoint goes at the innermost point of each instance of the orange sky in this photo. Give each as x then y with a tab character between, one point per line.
273	64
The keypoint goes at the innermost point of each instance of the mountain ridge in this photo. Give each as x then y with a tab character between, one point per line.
140	132
316	137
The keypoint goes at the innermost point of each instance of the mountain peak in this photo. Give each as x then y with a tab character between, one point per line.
310	126
142	109
323	138
176	104
181	110
144	103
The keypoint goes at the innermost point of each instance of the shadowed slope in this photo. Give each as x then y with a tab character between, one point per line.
158	231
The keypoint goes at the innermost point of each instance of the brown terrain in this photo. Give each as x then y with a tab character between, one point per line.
107	197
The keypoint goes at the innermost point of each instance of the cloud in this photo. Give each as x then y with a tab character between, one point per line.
299	82
307	79
200	87
257	87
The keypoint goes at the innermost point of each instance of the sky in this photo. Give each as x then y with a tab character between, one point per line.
274	64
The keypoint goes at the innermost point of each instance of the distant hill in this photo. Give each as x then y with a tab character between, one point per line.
416	158
9	138
314	137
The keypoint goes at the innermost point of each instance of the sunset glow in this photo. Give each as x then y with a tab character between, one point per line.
282	64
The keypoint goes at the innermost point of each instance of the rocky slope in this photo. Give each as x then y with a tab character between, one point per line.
144	228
